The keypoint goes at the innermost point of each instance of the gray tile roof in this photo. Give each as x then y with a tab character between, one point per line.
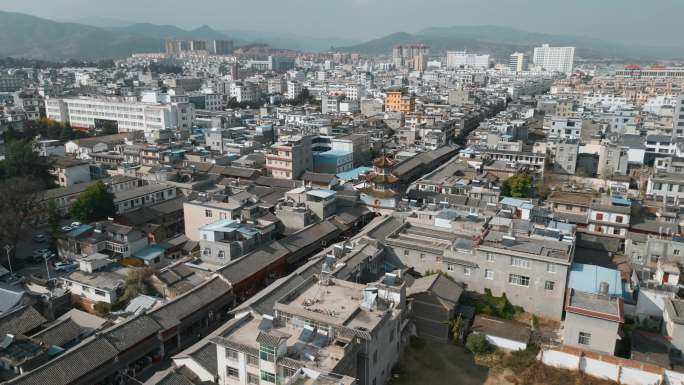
206	356
252	263
168	377
70	366
21	321
60	333
270	339
498	327
129	333
185	305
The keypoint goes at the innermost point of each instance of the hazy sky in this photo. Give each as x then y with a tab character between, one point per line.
651	22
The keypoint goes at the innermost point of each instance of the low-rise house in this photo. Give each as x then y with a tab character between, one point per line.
673	322
105	285
132	345
116	240
144	196
69	171
432	303
592	321
64	197
504	334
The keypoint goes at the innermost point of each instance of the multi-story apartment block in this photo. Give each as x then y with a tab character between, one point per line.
202	212
528	263
323	325
558	59
396	100
610	216
243	92
667	188
290	157
228	239
90	113
277	85
294	88
678	119
565	128
564	156
455	59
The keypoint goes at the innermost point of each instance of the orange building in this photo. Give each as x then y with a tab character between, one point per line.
399	101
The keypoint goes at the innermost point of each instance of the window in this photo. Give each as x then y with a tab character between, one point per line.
221	254
288	372
619	219
231	354
207	213
252	360
551	268
232	372
519	280
616	231
252	378
584	338
490	257
375	357
467	271
549	285
268	377
406	252
520	262
450	267
267	353
599	216
489	274
676	252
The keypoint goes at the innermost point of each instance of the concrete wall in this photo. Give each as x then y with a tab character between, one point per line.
620	370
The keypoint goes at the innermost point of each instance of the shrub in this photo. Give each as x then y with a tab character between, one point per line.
522	359
102	308
478	344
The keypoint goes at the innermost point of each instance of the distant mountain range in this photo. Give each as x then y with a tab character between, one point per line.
502	41
28	36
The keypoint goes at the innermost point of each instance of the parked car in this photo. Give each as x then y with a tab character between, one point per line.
65	266
40	238
75	224
40	254
66	229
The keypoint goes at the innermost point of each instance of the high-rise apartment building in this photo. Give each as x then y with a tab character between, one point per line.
457	59
221	47
406	55
558	59
517	62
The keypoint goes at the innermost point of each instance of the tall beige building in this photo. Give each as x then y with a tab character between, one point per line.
290	157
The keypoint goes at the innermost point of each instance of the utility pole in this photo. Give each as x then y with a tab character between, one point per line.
8	249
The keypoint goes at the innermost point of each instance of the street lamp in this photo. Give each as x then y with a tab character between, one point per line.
8	248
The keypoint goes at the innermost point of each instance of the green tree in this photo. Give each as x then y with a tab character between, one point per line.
517	186
21	161
67	133
95	203
53	217
20	207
